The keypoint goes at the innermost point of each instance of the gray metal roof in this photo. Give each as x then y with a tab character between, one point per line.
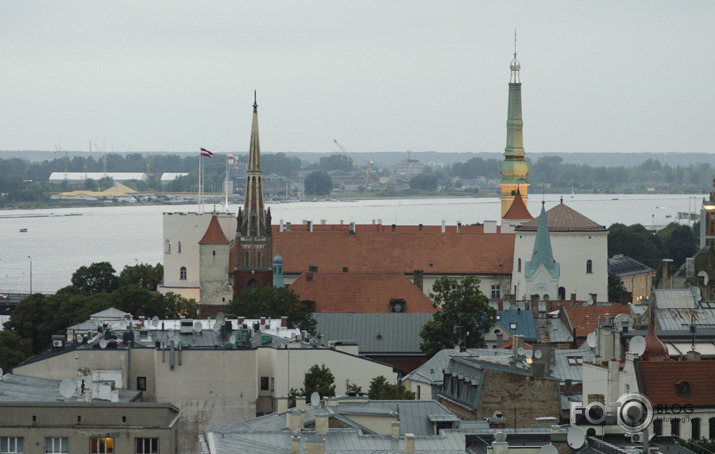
623	265
432	371
521	321
680	319
562	369
22	388
675	298
375	333
552	330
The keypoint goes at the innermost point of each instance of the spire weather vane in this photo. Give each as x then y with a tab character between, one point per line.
515	66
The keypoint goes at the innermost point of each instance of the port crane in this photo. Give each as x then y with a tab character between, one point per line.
367	169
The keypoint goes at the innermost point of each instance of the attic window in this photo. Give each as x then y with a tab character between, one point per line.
397	305
683	388
498	316
575	360
512	325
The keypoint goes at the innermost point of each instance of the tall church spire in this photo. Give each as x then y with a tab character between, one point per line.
253	231
514	168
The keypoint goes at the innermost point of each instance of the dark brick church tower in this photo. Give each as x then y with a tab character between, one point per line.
254	241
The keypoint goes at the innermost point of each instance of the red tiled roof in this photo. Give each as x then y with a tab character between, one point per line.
518	210
561	218
585	318
375	248
660	381
509	343
214	233
360	292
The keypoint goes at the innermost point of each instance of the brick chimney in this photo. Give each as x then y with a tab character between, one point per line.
419	279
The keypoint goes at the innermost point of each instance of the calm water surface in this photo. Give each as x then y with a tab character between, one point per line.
59	241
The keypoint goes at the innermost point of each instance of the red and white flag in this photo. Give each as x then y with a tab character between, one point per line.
232	159
206	153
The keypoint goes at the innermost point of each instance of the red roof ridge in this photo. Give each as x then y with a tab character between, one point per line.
518	210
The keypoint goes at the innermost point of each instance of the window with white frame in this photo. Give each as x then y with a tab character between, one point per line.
101	445
182	273
56	445
147	446
11	445
496	292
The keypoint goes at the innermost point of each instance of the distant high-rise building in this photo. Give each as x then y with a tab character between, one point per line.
514	168
254	240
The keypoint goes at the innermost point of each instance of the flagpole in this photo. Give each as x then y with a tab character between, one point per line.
199	184
225	184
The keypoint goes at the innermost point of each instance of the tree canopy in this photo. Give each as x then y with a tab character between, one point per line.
381	389
424	181
318	183
318	379
274	302
463	316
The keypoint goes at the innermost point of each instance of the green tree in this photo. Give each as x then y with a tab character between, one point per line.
381	389
144	275
13	349
616	289
424	182
463	316
274	302
635	242
319	379
678	242
318	183
335	162
96	278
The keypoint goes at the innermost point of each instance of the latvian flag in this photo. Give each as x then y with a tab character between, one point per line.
232	159
206	153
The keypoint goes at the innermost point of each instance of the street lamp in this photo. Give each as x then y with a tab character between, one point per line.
30	274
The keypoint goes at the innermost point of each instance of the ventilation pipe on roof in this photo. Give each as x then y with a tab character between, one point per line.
459	227
310	226
420	227
352	228
282	226
444	224
171	355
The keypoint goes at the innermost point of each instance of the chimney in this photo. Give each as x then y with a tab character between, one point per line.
573	300
282	226
282	404
295	444
568	387
322	425
459	227
395	429
500	339
284	322
419	278
444	226
410	443
693	356
310	226
534	305
665	279
594	297
312	267
394	227
490	226
420	227
352	228
287	226
263	321
295	419
315	445
518	342
300	403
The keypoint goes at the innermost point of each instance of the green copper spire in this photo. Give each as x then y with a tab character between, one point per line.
542	254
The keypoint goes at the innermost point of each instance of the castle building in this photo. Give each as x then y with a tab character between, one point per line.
253	256
514	168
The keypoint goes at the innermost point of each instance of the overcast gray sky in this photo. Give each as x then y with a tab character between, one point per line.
379	75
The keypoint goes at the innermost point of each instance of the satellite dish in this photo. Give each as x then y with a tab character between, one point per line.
591	340
198	326
521	351
698	293
217	327
67	388
637	345
103	343
538	355
548	449
315	399
155	321
500	437
704	276
79	338
575	437
232	339
220	318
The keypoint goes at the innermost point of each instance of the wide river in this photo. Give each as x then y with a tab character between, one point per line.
59	241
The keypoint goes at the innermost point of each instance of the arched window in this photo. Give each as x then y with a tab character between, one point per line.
179	247
695	429
519	265
168	246
589	266
658	426
182	273
252	285
562	293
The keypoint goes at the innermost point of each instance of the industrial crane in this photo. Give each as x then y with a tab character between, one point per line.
367	169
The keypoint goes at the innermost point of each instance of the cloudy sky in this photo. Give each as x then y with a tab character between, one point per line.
176	75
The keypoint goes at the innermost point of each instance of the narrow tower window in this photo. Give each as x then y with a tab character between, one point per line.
589	266
182	273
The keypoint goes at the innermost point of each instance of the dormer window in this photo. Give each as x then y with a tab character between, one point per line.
683	388
398	305
512	325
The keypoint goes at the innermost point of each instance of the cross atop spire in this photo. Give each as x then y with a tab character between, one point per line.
515	66
255	104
